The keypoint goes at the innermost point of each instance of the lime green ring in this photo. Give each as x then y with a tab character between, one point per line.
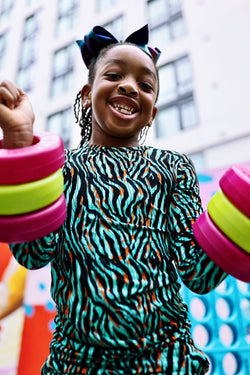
31	196
230	220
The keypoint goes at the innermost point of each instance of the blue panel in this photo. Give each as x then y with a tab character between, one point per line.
221	326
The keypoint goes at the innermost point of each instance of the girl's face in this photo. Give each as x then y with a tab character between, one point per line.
122	96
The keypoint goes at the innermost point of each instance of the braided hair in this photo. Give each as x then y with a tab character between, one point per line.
83	115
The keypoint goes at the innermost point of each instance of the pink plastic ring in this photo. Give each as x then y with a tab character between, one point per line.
235	184
228	256
32	163
29	227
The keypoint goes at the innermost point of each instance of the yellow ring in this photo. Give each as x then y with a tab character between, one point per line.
31	196
232	222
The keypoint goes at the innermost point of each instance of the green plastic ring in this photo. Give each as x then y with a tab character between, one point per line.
31	196
230	220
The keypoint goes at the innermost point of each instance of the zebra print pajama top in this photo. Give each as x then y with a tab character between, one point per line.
114	264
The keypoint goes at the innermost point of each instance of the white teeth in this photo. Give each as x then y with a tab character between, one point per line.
124	110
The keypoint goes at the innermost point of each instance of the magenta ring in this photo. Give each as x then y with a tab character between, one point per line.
228	256
34	162
235	184
29	227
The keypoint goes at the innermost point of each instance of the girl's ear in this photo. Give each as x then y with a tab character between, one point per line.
154	112
86	96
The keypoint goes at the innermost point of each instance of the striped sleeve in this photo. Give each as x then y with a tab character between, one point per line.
196	269
35	254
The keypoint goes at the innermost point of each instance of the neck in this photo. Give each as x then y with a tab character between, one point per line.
113	141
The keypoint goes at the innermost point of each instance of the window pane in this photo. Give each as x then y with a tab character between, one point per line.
30	2
60	62
157	12
63	61
63	69
57	87
189	115
60	123
6	9
31	25
54	124
168	88
104	5
64	6
6	5
25	78
178	28
27	53
3	44
160	36
184	75
167	122
175	6
116	28
67	15
63	25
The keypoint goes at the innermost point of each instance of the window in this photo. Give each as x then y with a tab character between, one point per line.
165	21
67	16
176	107
63	70
31	2
3	44
60	123
6	9
28	53
116	27
104	5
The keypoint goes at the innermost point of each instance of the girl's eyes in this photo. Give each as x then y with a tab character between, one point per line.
115	77
146	86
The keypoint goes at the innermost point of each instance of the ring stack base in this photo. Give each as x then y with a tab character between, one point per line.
223	231
32	202
229	257
35	225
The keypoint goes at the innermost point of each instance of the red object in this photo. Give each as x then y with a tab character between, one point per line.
220	249
5	256
235	184
36	338
34	162
34	225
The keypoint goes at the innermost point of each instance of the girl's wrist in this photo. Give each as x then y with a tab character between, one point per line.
17	138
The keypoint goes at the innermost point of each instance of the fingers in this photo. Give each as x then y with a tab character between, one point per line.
10	94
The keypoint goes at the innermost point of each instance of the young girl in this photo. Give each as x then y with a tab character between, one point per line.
128	231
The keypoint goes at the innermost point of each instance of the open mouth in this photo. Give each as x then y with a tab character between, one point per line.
124	109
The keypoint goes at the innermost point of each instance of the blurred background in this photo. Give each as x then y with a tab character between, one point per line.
204	67
203	111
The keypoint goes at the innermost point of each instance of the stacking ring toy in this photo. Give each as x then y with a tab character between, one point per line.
32	226
220	249
232	222
31	163
235	184
32	203
23	198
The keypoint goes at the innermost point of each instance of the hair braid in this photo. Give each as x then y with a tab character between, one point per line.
83	117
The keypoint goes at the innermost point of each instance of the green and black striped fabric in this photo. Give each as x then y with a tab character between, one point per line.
115	264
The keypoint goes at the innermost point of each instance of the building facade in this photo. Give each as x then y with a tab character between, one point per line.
203	106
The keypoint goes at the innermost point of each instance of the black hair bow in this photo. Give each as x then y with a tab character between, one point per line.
99	38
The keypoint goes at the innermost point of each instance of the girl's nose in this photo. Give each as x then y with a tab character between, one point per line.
128	88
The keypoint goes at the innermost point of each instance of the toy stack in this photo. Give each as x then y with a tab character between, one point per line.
32	202
223	230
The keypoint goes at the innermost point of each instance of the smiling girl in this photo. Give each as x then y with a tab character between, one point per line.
128	231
